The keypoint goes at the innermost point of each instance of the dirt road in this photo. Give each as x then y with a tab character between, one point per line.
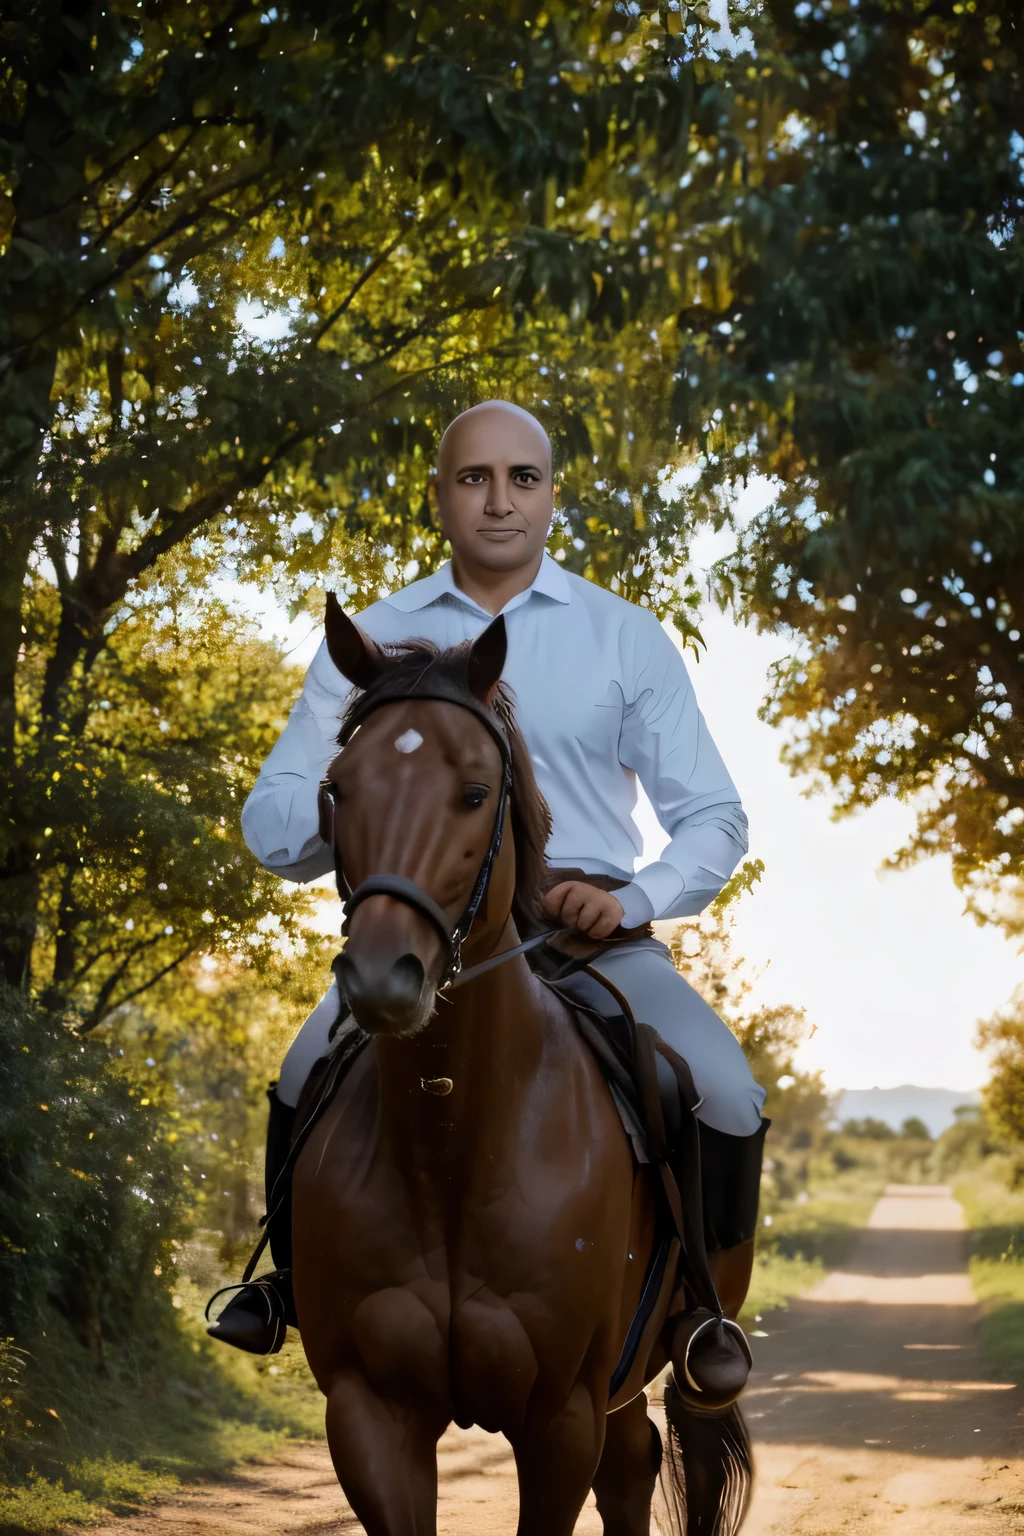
871	1410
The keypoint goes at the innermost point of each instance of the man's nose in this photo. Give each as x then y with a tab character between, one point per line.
499	503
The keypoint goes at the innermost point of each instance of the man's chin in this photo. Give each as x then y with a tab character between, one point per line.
503	554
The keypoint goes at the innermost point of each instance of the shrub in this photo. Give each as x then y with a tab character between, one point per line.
90	1194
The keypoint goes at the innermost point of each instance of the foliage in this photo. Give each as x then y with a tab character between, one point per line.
89	1199
868	1154
964	1145
863	311
869	1127
250	263
140	865
109	1389
1003	1095
865	1160
995	1221
206	1043
164	1411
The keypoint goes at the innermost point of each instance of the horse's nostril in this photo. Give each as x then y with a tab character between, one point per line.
405	983
382	999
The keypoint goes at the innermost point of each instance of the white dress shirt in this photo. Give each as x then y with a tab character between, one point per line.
603	699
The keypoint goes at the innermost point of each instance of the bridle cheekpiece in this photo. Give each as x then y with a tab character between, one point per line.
430	684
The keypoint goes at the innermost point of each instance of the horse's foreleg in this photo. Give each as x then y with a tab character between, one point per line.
386	1459
628	1470
556	1460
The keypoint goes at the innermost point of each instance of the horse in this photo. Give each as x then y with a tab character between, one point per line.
470	1231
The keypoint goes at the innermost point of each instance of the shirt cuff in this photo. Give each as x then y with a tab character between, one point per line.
660	885
636	905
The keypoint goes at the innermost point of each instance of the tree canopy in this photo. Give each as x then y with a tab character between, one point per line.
862	345
251	261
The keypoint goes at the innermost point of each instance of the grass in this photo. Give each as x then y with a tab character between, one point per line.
77	1446
995	1220
805	1239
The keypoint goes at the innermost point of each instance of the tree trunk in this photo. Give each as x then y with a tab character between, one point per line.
37	276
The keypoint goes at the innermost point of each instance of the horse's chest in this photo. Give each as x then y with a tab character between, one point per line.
488	1310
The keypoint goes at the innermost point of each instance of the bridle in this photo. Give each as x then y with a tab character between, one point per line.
398	886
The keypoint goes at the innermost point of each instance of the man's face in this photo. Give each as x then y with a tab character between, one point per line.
494	488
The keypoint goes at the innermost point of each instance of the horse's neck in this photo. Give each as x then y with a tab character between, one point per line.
487	1039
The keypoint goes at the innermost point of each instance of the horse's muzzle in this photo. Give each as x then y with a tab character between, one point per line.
385	999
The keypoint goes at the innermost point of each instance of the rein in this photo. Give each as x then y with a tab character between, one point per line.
398	886
493	961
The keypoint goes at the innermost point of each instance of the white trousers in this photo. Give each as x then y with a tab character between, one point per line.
731	1101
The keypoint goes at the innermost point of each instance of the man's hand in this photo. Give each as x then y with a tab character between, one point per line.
585	908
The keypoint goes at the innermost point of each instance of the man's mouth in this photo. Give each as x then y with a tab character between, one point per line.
500	535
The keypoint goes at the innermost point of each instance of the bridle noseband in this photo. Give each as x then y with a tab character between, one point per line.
398	886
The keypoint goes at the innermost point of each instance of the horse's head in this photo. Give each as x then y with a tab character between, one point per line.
420	793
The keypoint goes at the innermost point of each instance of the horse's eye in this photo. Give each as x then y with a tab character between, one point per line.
474	795
334	790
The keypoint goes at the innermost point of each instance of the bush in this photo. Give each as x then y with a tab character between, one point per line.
90	1196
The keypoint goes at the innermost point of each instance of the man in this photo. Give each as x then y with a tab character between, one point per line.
603	699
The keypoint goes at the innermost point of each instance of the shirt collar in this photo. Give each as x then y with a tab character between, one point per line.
550	581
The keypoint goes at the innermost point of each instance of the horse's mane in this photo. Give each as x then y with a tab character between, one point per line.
413	662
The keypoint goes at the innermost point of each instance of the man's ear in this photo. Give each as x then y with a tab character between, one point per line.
486	660
353	653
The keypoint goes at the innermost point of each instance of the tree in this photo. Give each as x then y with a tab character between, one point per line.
425	206
1003	1094
914	1129
136	796
869	1129
863	309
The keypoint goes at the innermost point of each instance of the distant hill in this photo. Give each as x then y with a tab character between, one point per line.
934	1106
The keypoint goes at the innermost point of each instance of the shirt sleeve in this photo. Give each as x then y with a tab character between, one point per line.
666	741
280	819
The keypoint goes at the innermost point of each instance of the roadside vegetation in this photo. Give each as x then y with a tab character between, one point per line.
81	1445
995	1220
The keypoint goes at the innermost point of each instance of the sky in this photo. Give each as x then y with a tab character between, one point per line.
887	966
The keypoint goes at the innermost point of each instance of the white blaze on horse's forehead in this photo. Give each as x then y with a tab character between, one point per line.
409	741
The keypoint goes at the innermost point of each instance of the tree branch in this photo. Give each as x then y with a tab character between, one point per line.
995	778
99	1011
363	278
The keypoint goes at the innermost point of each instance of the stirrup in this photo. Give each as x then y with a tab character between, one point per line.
711	1360
265	1293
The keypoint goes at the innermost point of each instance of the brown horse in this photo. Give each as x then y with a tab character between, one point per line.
470	1233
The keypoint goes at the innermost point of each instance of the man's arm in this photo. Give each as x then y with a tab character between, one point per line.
666	741
280	821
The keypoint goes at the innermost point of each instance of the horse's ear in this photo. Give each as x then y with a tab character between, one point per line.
353	653
486	660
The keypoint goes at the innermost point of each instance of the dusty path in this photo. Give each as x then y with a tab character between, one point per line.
871	1409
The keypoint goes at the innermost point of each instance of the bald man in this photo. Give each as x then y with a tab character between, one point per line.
604	701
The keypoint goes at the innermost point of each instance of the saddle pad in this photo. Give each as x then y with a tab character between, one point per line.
611	1035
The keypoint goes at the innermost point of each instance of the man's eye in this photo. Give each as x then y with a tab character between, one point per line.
474	795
